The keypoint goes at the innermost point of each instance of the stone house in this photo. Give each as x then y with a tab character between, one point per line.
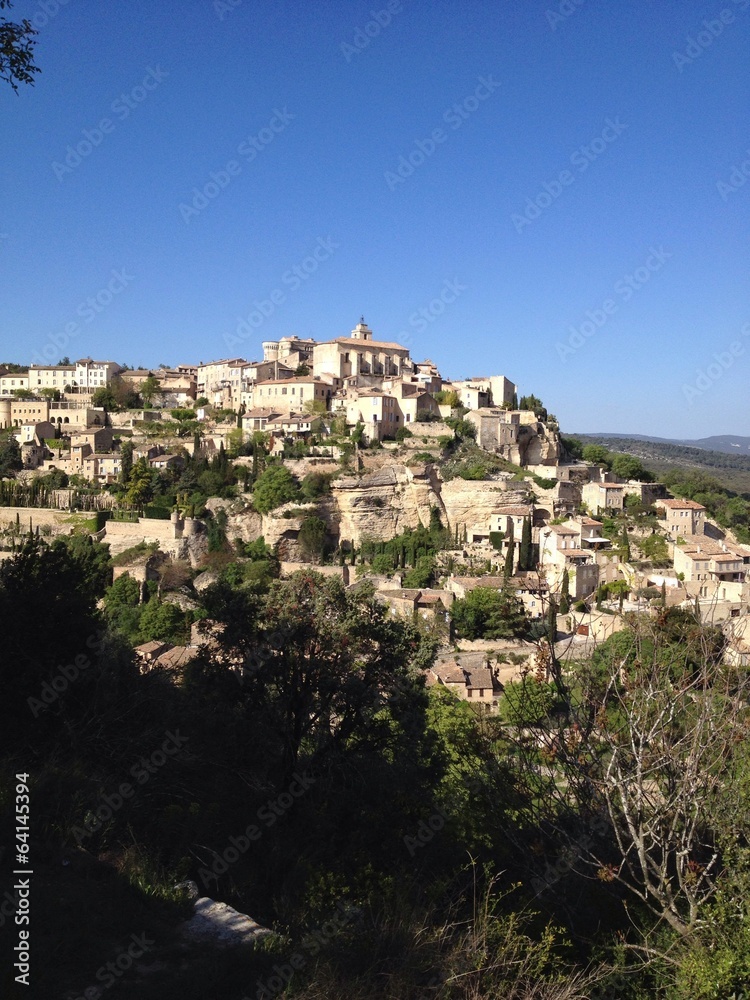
11	383
600	497
425	602
360	354
470	677
682	517
717	569
290	395
560	549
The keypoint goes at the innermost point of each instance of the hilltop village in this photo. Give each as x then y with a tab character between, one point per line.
458	502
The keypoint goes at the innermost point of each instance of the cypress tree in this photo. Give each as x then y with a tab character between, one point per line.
565	594
524	552
552	620
509	558
625	544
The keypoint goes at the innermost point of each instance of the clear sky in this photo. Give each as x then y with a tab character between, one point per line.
515	187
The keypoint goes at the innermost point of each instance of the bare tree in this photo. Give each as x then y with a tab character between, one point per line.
642	742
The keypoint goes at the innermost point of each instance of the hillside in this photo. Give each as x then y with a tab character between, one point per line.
660	455
730	444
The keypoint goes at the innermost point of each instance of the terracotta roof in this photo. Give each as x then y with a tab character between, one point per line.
679	504
178	656
367	344
152	648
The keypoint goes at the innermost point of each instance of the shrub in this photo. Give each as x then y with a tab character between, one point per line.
273	488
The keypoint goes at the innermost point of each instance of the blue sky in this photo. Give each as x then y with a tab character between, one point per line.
525	188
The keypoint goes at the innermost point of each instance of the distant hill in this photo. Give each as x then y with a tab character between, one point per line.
730	444
728	464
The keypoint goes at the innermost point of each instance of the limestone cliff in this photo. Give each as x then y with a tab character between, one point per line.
380	505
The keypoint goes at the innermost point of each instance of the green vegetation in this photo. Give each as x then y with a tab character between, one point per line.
409	547
274	487
10	455
487	613
473	856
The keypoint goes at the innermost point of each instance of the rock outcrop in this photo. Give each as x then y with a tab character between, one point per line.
381	505
221	925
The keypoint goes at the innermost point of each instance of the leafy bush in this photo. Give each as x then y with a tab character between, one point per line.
316	484
274	487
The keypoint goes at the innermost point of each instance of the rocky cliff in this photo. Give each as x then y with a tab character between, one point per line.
382	504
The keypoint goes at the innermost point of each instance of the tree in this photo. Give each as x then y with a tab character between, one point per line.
150	388
645	745
118	395
104	397
274	487
627	466
23	394
52	394
48	613
572	447
17	42
140	484
422	575
315	485
535	404
332	661
654	547
565	593
524	552
122	607
597	454
487	613
312	538
509	556
126	461
10	456
162	621
92	560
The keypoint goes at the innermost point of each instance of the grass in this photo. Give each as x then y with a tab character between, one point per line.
134	552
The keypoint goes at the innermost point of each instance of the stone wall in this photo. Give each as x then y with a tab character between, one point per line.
334	572
62	522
